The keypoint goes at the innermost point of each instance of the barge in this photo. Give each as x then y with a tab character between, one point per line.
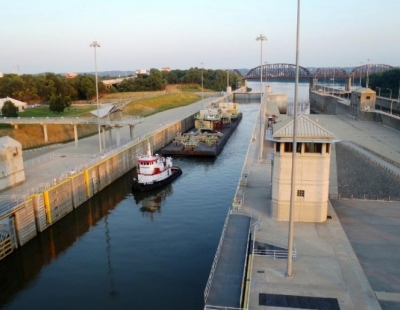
213	128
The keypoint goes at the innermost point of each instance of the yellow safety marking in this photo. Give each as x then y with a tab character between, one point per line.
47	206
86	172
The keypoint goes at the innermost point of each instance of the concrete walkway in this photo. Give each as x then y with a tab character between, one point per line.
326	265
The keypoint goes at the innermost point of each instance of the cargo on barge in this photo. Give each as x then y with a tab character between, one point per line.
213	127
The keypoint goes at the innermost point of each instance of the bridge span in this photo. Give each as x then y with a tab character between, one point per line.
288	71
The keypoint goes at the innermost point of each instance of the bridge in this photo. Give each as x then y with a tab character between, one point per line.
288	71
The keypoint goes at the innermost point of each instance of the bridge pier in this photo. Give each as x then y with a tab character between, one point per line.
313	83
46	138
131	133
118	130
103	136
76	134
348	84
110	135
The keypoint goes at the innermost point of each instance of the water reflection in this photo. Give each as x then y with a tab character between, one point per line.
151	201
19	269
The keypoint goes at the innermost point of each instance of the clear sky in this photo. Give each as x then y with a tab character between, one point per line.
54	35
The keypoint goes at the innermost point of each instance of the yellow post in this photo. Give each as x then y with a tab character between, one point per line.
47	206
87	183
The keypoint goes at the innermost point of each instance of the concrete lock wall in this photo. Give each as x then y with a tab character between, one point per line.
325	104
41	210
24	221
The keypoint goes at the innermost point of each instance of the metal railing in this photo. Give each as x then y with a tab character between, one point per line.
210	307
276	241
216	257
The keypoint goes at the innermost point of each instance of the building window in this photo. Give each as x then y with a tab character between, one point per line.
300	193
327	148
368	97
311	147
278	147
289	147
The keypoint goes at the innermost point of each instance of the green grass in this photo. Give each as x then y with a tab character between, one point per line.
44	111
149	106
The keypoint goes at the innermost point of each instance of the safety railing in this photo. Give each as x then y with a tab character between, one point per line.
253	214
276	241
216	257
209	307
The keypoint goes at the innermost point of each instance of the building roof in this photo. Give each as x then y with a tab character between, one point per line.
105	110
15	101
363	90
308	130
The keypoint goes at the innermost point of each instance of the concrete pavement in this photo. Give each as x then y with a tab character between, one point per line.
326	264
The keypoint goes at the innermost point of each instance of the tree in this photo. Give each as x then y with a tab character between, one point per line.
58	104
9	109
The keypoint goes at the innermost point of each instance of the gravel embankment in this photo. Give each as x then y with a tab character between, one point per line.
358	176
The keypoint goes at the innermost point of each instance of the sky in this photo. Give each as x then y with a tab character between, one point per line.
55	35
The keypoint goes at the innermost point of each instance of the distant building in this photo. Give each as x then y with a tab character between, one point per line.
1	74
166	69
19	104
141	71
363	99
71	75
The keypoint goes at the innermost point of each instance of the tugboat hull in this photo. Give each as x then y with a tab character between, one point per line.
136	186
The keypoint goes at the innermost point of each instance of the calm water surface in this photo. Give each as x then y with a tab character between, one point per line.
148	251
120	251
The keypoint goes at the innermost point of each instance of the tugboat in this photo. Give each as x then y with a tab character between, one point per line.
154	171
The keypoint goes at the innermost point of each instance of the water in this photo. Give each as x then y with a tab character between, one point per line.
284	88
119	251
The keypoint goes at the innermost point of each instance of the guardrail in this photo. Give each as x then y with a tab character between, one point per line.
216	257
209	307
274	241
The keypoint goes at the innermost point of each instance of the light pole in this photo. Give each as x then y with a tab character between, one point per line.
266	72
261	38
294	149
360	72
391	102
202	89
366	85
379	93
95	44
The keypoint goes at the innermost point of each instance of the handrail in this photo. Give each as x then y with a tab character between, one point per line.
275	254
216	257
210	307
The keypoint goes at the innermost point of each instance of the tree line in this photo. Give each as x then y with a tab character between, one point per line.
41	88
385	81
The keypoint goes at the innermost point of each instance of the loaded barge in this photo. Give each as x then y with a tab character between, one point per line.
213	127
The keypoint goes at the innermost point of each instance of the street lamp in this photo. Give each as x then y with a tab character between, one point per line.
202	90
379	93
261	38
391	102
366	85
294	148
360	72
95	44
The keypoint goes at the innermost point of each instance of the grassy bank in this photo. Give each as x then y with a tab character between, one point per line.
142	104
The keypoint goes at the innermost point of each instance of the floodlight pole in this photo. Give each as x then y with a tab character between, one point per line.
95	44
294	149
261	38
202	89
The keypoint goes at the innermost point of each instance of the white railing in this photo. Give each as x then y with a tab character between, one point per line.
210	307
216	257
253	214
273	241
